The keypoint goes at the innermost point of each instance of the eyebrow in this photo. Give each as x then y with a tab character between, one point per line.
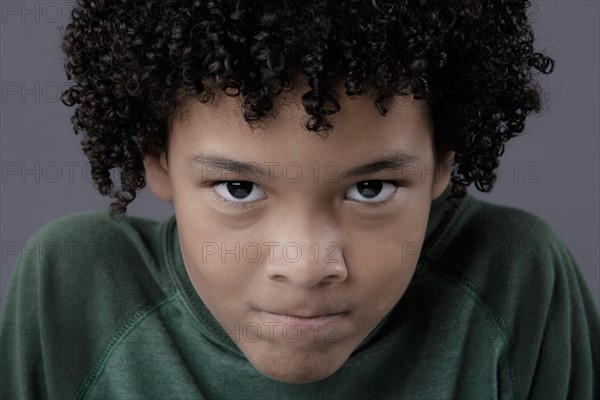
395	160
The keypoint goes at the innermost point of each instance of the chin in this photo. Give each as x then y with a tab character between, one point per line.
298	367
300	375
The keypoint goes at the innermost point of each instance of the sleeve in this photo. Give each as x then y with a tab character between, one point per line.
533	288
76	281
62	306
568	351
21	366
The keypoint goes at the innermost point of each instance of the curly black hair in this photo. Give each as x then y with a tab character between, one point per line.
134	63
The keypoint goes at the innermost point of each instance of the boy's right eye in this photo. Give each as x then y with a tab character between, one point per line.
238	191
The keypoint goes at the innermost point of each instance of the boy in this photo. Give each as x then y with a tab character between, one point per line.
318	248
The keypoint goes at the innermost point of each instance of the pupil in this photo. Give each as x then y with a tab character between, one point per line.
239	190
369	189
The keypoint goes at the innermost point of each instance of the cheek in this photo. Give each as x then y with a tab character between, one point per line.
218	277
383	262
373	263
214	260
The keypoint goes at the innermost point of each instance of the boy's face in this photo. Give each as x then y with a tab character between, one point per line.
300	264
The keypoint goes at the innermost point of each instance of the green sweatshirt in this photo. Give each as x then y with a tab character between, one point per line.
497	308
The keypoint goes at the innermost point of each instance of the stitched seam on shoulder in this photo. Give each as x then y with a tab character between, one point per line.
465	284
122	333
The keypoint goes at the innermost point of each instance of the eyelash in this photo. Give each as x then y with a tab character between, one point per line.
223	201
378	204
371	205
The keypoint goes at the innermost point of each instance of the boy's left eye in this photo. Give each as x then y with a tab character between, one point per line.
239	191
372	191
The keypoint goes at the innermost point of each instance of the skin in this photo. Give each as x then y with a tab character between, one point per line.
355	262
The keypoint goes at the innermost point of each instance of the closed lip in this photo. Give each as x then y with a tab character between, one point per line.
310	319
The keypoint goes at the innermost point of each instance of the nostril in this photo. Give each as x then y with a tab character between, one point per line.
307	273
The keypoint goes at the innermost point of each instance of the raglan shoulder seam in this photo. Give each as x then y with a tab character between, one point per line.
121	334
475	294
433	264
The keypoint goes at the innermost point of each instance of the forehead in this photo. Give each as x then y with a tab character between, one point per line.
357	127
289	105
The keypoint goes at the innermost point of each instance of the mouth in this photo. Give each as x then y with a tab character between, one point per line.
307	320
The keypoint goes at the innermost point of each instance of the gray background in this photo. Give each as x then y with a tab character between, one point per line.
551	171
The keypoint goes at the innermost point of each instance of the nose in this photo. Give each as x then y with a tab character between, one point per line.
311	255
307	265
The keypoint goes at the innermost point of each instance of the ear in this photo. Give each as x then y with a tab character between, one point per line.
443	168
157	174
